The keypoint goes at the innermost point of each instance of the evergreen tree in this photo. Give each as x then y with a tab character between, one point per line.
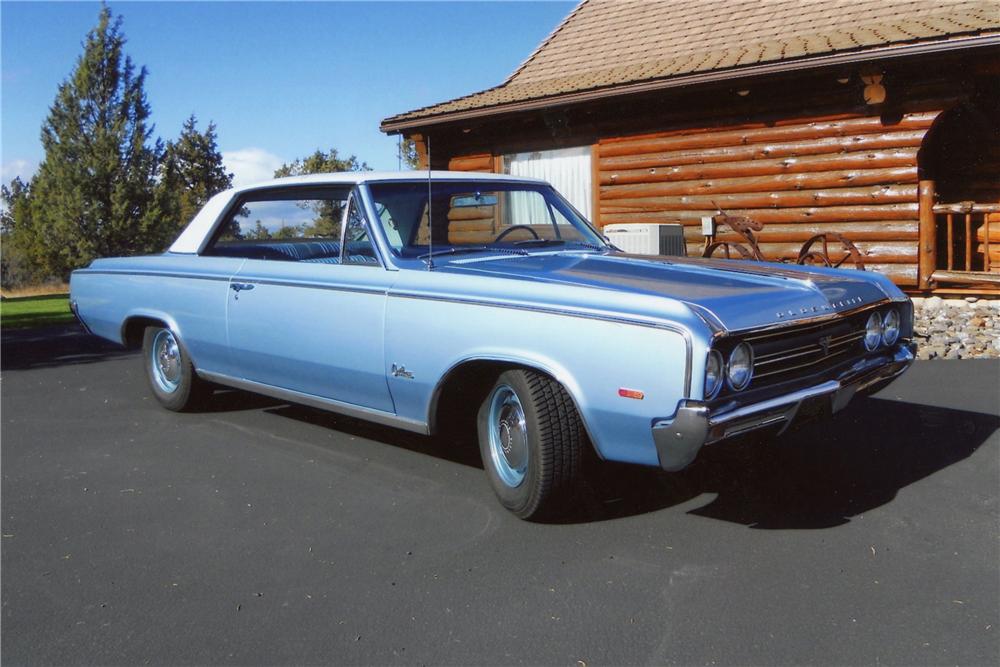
16	235
328	213
191	172
93	195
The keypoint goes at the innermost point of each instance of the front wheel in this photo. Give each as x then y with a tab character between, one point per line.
171	376
531	439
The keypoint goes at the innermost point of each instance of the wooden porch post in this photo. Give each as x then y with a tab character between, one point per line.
595	185
927	252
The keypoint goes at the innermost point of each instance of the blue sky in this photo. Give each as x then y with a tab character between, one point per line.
278	79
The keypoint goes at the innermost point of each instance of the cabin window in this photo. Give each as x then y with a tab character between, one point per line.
567	169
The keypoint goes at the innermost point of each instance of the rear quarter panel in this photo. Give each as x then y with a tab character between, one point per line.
187	292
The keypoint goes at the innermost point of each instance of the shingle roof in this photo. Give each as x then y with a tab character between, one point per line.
606	44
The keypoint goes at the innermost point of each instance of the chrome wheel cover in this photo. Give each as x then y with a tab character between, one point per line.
508	436
165	361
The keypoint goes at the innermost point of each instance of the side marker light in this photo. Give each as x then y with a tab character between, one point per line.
631	393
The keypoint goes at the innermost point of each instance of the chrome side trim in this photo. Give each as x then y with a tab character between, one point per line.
666	326
329	404
155	274
247	279
312	284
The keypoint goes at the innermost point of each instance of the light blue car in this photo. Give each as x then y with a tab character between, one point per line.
481	302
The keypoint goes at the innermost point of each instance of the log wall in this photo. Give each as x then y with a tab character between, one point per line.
851	174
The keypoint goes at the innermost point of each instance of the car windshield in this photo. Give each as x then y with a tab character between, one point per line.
477	216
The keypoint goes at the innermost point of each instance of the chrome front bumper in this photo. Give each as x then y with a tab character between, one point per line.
679	439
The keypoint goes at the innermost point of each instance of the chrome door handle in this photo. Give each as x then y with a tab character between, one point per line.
238	287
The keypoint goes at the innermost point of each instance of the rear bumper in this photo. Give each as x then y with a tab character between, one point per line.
679	439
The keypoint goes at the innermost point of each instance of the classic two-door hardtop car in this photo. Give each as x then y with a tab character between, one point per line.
497	306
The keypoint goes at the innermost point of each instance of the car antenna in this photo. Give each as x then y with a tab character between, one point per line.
430	219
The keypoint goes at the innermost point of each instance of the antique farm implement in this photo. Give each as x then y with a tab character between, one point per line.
826	249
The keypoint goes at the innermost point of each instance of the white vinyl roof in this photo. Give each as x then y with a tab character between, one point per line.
195	234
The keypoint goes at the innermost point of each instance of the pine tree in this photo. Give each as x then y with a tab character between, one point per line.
16	236
191	172
328	213
93	195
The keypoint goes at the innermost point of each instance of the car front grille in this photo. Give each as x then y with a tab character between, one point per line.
795	351
805	350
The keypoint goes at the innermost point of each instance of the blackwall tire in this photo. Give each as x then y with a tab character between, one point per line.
531	440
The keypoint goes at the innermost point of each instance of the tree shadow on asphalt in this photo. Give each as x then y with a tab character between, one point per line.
817	476
47	347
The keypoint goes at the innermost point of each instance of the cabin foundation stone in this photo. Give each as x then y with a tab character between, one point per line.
957	328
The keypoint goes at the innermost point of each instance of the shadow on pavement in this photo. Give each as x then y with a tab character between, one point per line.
818	476
46	347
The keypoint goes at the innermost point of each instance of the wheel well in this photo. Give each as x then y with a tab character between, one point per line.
134	327
461	391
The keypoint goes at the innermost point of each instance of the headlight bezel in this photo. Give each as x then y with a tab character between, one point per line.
730	382
873	330
712	392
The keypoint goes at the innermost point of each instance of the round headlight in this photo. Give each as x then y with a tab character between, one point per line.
740	368
890	327
713	374
873	331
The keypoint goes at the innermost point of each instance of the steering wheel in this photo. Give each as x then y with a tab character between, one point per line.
512	228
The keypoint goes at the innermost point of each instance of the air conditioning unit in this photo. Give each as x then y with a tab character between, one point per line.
648	239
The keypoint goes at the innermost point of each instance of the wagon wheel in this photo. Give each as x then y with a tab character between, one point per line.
728	250
821	257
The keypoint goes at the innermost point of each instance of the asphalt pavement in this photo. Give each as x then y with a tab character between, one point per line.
258	533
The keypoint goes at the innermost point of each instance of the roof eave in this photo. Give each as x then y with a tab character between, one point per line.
390	126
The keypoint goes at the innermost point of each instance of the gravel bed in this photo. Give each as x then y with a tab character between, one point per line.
966	328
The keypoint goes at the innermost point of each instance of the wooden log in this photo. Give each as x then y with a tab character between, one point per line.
781	182
470	226
884	252
471	213
829	145
882	194
883	230
482	163
902	157
612	215
743	137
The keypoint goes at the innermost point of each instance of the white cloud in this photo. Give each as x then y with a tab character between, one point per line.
249	165
23	168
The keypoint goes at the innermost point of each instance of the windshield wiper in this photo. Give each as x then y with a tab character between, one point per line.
454	250
539	242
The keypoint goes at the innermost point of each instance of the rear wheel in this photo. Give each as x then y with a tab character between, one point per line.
171	376
531	440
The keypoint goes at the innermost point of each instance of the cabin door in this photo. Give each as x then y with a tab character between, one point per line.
567	169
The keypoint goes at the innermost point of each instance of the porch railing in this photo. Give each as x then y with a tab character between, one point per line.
956	245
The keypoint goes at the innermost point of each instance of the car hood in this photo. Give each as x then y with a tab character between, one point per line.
729	295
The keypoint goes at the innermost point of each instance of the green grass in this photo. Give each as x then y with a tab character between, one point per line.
35	311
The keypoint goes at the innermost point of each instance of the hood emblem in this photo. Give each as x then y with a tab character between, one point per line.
833	305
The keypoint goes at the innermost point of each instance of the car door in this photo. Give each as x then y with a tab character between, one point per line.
308	320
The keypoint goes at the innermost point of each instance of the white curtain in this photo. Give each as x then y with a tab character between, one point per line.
567	169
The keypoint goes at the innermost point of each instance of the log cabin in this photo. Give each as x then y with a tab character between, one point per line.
875	119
